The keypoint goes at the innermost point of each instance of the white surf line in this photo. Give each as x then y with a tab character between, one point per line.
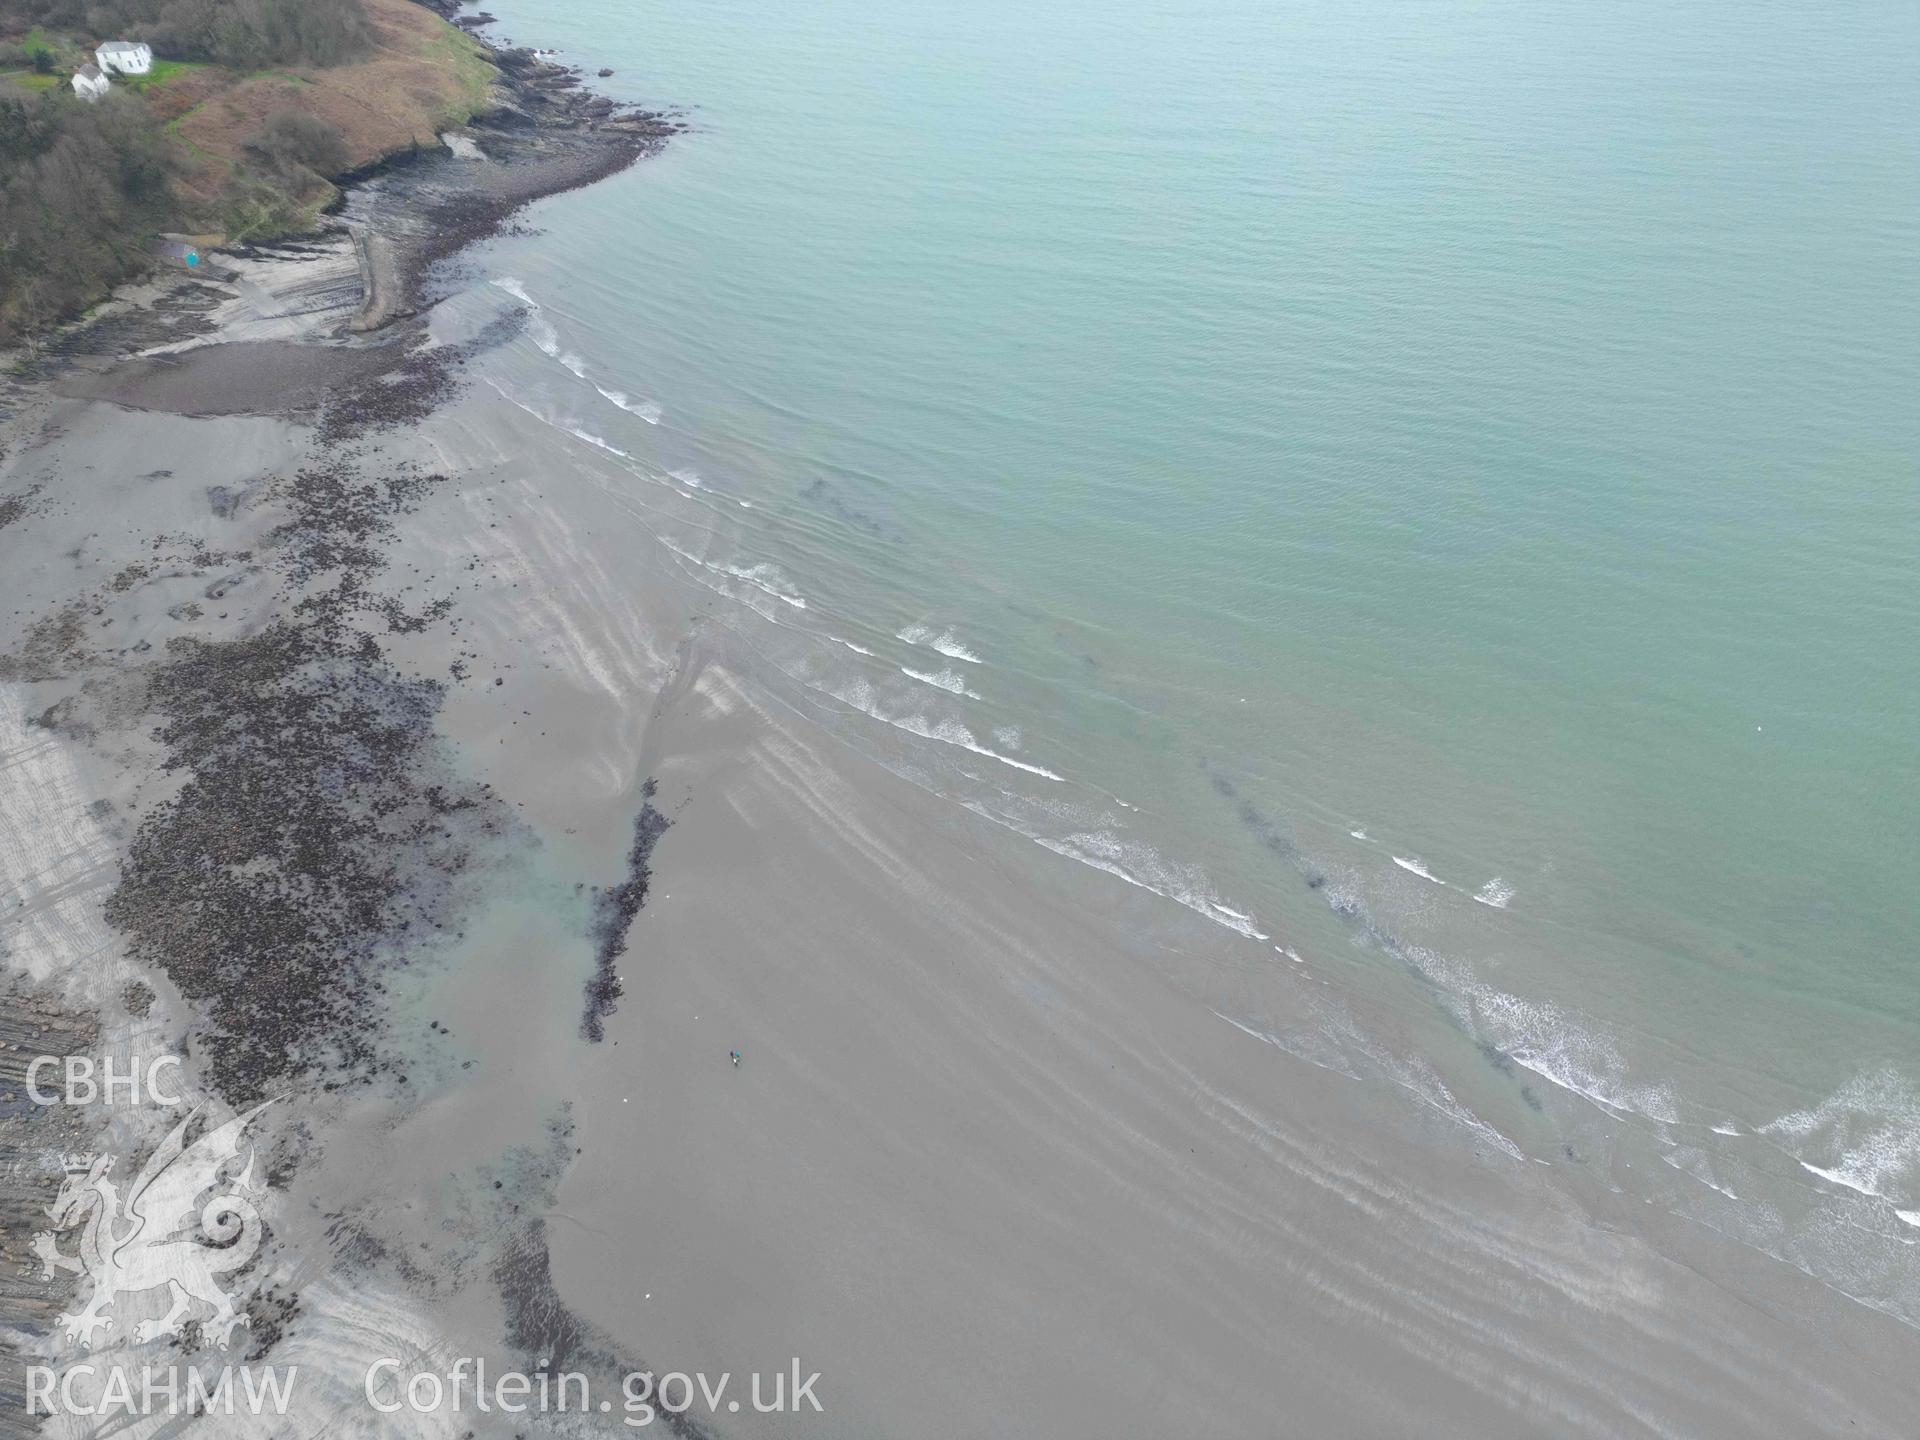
943	642
1417	866
1495	894
1202	905
946	680
976	807
1835	1176
1260	1035
761	576
708	500
547	340
945	733
1445	1102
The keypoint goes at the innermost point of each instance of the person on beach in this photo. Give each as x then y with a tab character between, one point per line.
735	1056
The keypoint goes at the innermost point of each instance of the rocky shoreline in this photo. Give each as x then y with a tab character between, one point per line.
220	665
544	135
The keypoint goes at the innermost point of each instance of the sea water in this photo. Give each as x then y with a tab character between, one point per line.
1429	490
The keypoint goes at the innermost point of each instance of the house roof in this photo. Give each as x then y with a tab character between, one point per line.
116	46
91	72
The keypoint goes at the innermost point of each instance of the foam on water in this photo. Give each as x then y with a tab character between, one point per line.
1009	455
766	578
543	334
539	328
948	680
1698	1165
861	696
565	426
944	641
647	410
1839	1177
1140	865
1496	893
595	440
1865	1136
1412	1076
1418	867
1548	1040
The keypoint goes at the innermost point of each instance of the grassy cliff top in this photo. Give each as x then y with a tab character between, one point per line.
231	150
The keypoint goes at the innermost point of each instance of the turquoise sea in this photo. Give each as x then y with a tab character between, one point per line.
1432	489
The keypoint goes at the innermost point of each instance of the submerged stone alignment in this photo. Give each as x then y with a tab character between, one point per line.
616	908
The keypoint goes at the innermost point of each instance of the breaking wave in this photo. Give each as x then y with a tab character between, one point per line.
1865	1136
541	331
948	680
647	410
766	578
860	695
1545	1039
1142	866
558	424
943	641
1496	892
1417	866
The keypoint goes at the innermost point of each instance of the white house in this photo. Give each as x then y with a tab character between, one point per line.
129	57
89	83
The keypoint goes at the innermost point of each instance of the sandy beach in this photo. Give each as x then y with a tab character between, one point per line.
365	746
980	1165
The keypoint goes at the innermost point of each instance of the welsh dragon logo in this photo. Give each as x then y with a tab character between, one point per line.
148	1239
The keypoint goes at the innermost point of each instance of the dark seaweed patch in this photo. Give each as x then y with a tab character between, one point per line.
320	831
300	855
16	507
418	381
52	647
540	1325
615	909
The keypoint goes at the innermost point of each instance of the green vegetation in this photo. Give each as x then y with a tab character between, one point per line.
252	106
240	34
34	58
468	60
162	72
77	183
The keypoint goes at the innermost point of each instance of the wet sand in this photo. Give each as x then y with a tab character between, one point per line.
982	1166
980	1160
